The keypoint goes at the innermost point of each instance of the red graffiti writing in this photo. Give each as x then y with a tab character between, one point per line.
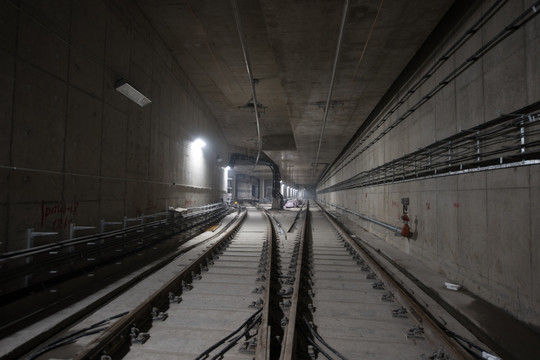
428	206
456	205
62	223
395	203
62	213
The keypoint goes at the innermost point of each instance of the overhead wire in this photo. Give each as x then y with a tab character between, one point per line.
367	41
250	76
467	35
332	78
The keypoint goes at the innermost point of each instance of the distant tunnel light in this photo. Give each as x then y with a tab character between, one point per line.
199	143
131	93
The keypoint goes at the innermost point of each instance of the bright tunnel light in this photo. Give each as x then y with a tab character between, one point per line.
199	143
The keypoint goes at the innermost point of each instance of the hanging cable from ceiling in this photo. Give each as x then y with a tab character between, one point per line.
250	75
367	41
336	59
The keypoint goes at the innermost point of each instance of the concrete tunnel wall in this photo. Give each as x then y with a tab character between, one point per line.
479	229
72	148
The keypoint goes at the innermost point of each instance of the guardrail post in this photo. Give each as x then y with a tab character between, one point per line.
126	220
104	223
31	234
73	228
29	244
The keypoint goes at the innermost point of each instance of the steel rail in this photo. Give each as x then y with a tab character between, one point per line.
289	342
264	334
118	334
60	265
453	346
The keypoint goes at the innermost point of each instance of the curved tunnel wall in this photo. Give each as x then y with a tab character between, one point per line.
72	148
479	229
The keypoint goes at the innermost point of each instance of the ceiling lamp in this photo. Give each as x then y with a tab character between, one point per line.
131	93
199	143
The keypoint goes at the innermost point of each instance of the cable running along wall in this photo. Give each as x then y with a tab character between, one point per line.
356	149
510	140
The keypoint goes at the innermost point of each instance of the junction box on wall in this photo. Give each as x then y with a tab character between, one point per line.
405	230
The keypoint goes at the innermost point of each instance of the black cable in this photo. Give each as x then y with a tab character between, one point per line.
509	29
296	218
316	335
468	342
207	351
312	342
235	340
71	338
62	343
453	49
99	323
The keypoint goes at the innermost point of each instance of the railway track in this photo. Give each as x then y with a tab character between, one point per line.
228	292
348	309
265	292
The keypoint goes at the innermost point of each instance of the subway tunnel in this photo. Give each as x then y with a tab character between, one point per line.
414	124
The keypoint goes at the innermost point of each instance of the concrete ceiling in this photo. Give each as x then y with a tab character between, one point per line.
292	45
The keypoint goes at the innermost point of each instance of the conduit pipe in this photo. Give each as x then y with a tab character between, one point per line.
338	50
395	229
250	75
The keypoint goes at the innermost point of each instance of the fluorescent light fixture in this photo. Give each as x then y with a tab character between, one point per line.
228	168
199	143
131	93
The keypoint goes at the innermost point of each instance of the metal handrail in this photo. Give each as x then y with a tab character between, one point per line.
83	239
49	263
